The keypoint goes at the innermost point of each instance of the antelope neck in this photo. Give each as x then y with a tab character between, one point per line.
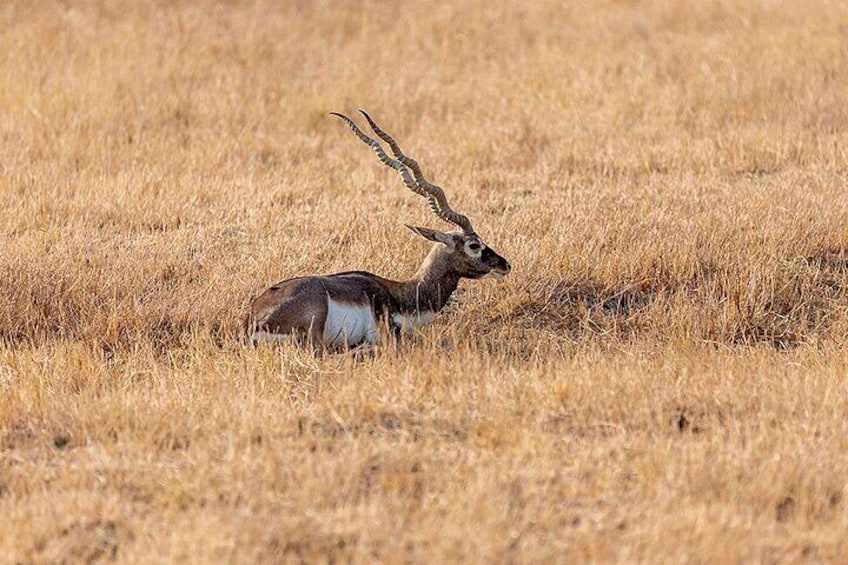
432	285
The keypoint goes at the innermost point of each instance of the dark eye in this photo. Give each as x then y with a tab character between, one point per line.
474	246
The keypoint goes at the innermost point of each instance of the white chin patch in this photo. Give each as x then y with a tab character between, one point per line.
494	275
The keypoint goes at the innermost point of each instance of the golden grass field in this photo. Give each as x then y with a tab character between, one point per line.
662	378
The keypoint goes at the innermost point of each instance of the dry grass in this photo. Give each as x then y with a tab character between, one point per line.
662	377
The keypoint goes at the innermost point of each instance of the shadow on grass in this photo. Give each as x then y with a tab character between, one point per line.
795	302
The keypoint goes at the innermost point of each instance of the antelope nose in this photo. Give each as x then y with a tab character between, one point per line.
507	266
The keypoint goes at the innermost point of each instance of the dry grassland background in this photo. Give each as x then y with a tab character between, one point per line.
661	378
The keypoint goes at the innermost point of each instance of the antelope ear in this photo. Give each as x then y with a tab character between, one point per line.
433	235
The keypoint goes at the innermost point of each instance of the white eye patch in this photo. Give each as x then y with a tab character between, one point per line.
474	248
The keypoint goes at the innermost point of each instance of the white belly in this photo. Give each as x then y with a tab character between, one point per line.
349	324
410	322
268	338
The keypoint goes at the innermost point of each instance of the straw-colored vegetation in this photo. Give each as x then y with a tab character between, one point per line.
661	378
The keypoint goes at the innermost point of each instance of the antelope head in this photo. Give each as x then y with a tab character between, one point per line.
463	251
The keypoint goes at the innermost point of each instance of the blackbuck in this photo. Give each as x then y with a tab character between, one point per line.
354	308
